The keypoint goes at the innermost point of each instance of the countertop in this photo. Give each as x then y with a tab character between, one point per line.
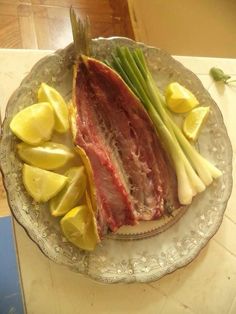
207	285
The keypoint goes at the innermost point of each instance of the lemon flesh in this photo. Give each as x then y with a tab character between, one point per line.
42	184
179	99
34	124
48	155
51	95
71	194
78	227
194	121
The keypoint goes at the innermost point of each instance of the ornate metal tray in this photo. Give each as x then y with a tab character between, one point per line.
154	249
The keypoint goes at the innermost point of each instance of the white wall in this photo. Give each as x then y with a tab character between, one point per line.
187	27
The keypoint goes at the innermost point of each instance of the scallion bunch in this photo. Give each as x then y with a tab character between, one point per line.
193	171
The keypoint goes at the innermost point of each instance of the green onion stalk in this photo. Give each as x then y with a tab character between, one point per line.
194	173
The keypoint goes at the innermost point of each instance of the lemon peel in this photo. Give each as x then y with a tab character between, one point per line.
72	192
48	155
78	227
27	123
51	95
42	184
179	99
194	122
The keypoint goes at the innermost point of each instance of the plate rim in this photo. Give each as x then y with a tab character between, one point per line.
148	277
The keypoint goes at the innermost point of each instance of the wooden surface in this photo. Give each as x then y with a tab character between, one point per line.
45	24
4	209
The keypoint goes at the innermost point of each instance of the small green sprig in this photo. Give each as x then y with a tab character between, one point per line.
218	75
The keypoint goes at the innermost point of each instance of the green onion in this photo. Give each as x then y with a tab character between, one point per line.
193	171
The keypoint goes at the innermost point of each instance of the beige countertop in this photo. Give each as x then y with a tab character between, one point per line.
207	285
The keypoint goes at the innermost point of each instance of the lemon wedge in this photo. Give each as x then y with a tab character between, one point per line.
48	155
79	228
34	124
70	195
194	121
51	95
179	99
42	184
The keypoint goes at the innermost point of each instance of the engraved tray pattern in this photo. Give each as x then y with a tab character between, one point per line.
144	259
